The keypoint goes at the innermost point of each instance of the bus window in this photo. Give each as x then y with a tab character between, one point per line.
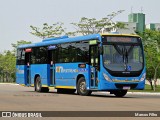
39	55
20	56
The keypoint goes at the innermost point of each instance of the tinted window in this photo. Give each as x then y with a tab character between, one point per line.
39	55
73	52
20	56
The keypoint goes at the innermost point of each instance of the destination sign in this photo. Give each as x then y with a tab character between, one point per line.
121	39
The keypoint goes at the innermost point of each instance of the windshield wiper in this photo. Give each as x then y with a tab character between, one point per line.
124	52
125	57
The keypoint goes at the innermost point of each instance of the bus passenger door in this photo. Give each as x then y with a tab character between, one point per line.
94	66
27	64
51	56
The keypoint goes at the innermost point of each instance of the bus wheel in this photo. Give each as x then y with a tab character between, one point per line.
81	87
120	93
38	87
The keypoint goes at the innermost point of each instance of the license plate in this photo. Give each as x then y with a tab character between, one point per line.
126	88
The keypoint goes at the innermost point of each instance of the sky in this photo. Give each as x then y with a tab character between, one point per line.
16	16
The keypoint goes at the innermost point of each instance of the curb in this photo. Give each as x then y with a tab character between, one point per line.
138	93
144	93
9	84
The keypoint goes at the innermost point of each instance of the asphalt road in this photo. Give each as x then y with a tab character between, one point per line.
19	98
15	97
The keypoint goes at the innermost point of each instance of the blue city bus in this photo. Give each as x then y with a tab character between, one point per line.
96	62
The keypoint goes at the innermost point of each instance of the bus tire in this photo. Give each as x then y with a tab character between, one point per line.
120	93
81	87
38	86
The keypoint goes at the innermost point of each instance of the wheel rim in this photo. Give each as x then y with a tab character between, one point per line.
38	84
82	87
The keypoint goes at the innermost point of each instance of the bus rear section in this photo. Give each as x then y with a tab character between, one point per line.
23	67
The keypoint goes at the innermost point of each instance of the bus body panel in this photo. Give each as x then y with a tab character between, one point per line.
42	71
66	74
21	74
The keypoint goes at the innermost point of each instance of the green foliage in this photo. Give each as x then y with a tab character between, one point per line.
85	26
8	63
91	25
7	66
147	89
47	31
120	25
151	41
21	42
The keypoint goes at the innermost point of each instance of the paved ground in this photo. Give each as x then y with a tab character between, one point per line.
19	98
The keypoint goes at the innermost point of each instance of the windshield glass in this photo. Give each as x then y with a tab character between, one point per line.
123	57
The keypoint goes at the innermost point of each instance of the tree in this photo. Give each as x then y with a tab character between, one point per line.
151	39
47	31
21	42
7	66
8	61
91	25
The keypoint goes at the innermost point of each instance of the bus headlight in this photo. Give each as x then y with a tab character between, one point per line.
107	77
143	77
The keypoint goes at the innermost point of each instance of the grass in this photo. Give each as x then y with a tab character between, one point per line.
147	89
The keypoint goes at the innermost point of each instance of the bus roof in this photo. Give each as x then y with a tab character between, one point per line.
65	39
52	41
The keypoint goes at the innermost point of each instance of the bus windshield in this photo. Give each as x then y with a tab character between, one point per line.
125	57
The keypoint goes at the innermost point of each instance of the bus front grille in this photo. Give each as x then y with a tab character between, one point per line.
120	86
